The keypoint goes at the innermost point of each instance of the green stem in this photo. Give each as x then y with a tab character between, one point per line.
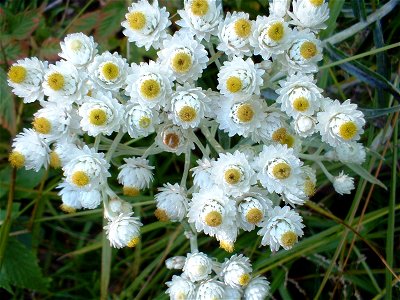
114	145
186	168
391	216
217	147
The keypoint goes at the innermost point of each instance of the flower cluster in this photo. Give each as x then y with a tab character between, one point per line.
87	96
204	278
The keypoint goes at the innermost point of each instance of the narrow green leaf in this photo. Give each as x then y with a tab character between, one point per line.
20	268
379	112
366	175
362	72
359	9
383	67
335	7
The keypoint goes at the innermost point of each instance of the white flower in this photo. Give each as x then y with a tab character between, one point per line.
188	106
198	266
185	56
26	77
299	95
55	120
278	169
78	49
310	180
240	115
180	288
234	34
304	126
64	83
101	114
252	209
258	287
304	53
202	173
175	262
272	36
118	206
227	236
172	203
310	14
343	183
271	128
211	210
88	170
340	123
279	8
233	173
240	76
146	24
30	150
149	84
139	121
201	17
283	228
108	71
236	271
70	198
65	150
136	174
172	138
352	152
73	198
210	289
123	231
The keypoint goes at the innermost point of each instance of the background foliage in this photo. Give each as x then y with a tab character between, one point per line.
350	243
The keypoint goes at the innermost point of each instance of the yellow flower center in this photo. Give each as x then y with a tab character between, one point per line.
348	130
136	20
181	296
245	113
55	161
144	122
227	246
233	84
161	215
244	279
242	28
281	170
301	104
56	81
187	114
150	89
199	7
17	74
67	209
309	188
308	50
276	31
233	176
80	178
254	216
316	2
171	140
75	45
130	191
41	125
279	135
110	71
288	239
133	242
181	62
97	117
213	219
16	159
